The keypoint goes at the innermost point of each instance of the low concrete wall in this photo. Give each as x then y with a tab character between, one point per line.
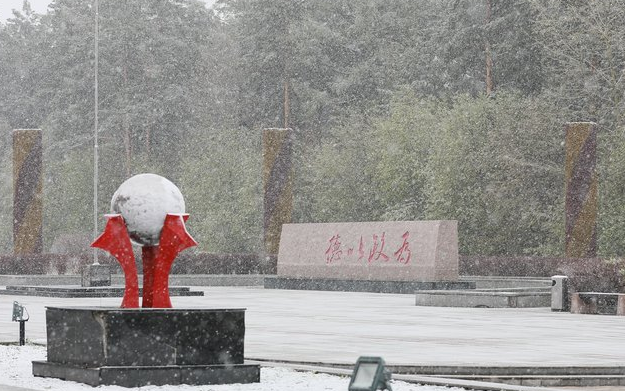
185	263
118	280
585	274
598	303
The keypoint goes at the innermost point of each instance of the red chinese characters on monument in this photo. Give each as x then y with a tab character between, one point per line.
374	249
403	254
334	252
377	249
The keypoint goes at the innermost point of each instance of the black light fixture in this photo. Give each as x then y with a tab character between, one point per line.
18	316
370	375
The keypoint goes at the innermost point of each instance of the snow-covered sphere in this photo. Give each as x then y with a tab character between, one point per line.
143	201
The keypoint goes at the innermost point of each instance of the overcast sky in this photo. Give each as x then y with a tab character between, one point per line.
7	5
39	6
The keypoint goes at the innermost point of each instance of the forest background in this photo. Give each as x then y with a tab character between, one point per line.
402	110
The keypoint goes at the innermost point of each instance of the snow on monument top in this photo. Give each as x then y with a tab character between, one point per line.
143	201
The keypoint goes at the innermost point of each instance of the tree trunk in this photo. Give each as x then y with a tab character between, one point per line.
489	71
127	146
287	103
147	142
490	86
126	127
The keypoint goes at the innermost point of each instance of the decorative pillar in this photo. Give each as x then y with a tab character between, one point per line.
27	192
277	185
581	190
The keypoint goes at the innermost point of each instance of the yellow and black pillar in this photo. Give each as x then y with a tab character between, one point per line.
581	190
277	185
27	192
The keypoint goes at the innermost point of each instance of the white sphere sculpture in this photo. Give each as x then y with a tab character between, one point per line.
143	201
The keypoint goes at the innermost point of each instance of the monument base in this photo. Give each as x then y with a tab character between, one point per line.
134	347
96	275
129	376
343	285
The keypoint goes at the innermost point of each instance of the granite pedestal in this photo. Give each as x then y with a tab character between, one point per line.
138	347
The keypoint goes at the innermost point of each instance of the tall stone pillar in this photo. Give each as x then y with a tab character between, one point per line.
277	185
581	189
27	192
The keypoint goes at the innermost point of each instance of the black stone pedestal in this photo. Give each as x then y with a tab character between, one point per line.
137	347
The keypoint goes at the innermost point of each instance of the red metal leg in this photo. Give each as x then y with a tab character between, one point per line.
174	239
116	241
148	257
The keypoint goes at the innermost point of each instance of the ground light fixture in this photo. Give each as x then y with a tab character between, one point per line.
370	375
18	316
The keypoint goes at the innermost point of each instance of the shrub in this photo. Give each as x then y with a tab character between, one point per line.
597	275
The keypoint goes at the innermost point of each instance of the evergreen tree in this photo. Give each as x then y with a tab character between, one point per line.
499	172
488	45
264	32
22	70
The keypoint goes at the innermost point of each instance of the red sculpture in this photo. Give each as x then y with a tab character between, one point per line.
157	260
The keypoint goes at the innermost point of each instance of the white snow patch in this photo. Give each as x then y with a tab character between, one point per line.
16	365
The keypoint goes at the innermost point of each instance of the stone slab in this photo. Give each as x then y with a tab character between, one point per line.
382	251
509	371
327	284
598	303
548	381
496	282
483	299
512	290
76	291
128	376
487	383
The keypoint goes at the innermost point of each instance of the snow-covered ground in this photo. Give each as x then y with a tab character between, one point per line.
16	370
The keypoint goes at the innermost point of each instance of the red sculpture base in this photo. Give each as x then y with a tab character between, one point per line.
157	260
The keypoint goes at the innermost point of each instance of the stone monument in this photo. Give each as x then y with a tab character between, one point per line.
382	256
156	344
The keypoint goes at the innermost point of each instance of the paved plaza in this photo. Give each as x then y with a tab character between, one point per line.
337	327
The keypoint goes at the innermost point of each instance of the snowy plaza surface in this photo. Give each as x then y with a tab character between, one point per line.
338	327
